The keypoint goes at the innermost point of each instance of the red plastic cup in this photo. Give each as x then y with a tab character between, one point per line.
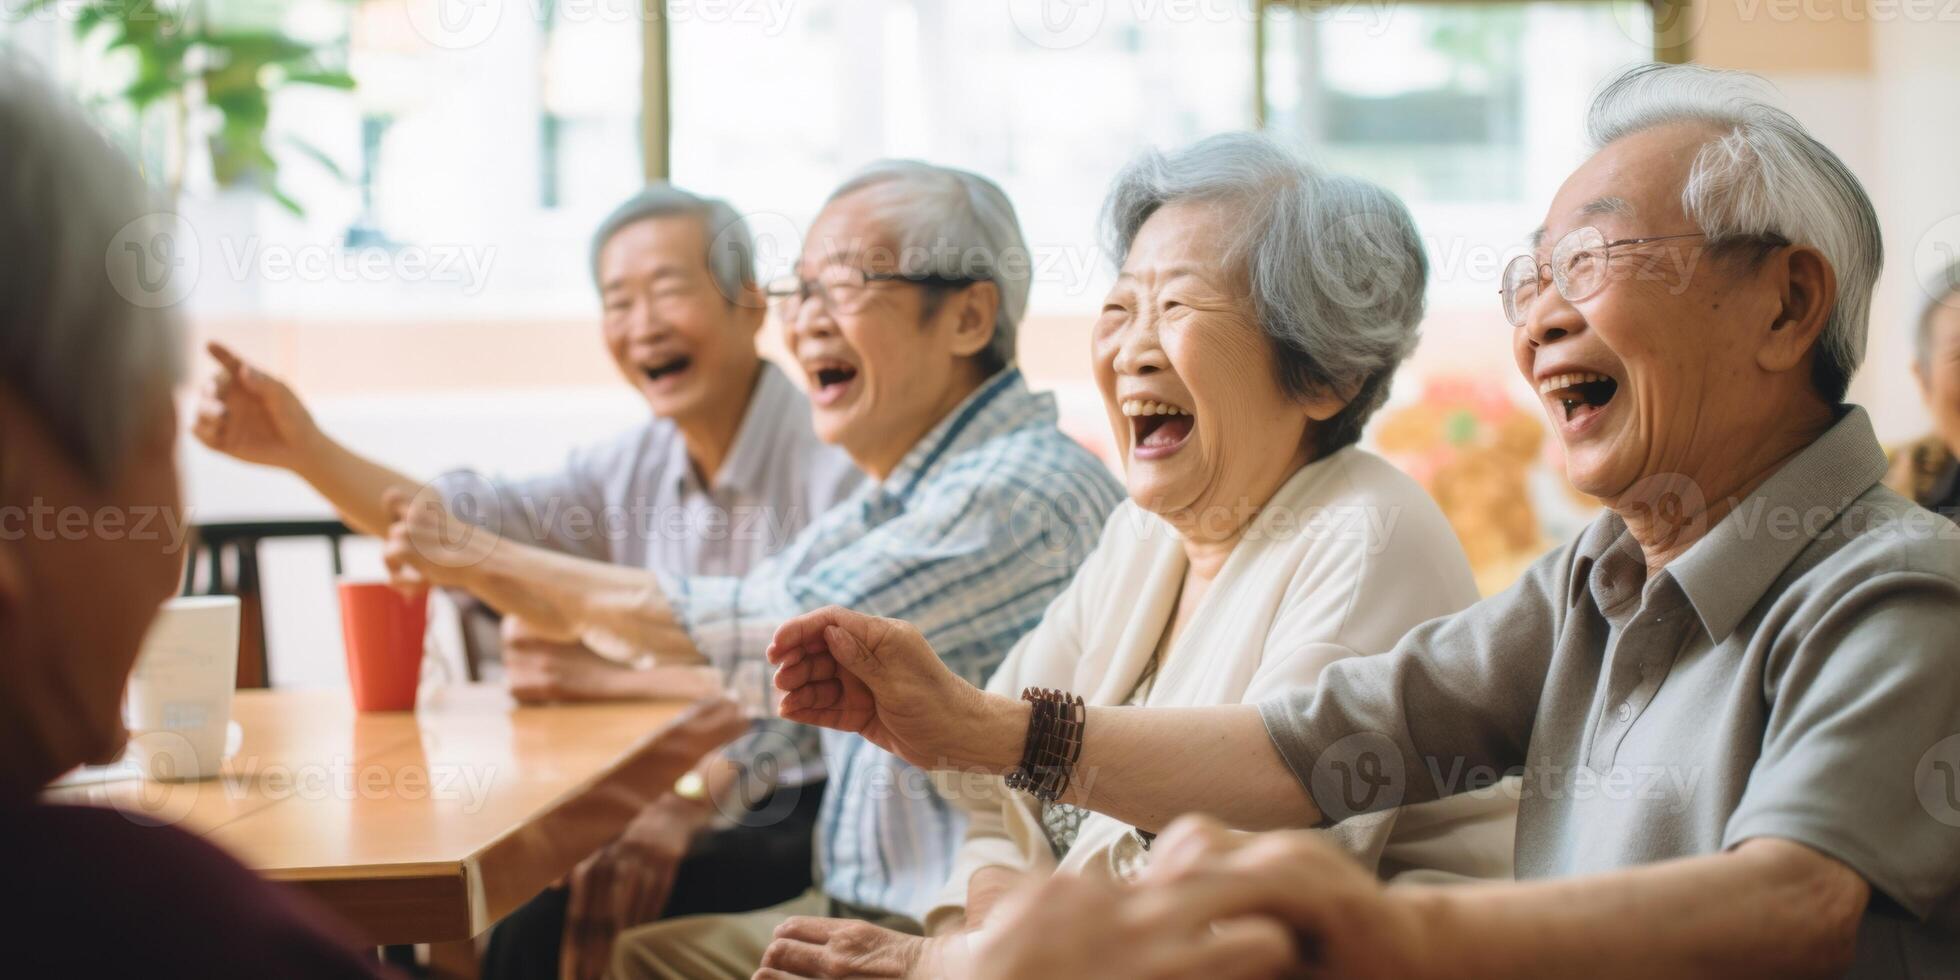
383	631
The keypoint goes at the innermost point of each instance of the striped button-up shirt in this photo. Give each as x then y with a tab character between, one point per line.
969	538
636	500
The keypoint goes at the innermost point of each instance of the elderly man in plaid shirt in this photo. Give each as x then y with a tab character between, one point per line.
902	314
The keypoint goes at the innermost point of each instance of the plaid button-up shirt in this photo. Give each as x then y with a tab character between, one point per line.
978	528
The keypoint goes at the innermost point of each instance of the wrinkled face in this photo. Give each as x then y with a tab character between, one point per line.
83	569
1188	379
1656	373
882	372
1939	377
677	340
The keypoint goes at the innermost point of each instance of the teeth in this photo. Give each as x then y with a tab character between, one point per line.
1558	381
1144	406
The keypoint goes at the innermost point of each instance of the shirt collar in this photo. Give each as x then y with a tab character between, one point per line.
1002	403
753	453
1726	573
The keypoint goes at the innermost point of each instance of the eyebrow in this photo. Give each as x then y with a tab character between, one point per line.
1598	205
661	272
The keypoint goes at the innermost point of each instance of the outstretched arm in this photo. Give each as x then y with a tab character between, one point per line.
250	415
616	610
1143	766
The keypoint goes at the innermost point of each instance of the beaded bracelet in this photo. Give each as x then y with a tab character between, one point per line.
1054	744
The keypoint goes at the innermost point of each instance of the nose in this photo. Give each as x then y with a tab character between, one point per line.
1551	317
810	318
640	321
1137	349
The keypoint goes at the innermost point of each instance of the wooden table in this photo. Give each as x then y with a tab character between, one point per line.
428	827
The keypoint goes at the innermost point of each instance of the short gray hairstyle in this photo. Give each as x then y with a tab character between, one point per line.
1764	174
86	359
1334	267
1945	288
955	223
731	248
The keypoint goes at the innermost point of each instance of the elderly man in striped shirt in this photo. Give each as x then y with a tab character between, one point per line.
902	314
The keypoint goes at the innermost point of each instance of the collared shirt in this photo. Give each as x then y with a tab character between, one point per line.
1794	674
977	529
636	500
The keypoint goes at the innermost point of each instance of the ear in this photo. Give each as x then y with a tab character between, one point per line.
975	308
1806	285
751	308
1325	406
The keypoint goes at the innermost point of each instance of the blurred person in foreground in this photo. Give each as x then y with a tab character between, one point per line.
88	424
724	472
1259	314
903	314
1928	471
1734	698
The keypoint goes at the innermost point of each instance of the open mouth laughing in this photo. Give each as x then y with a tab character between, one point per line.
830	380
674	367
1580	395
1157	429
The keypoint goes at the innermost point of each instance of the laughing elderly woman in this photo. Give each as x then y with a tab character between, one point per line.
1732	697
1258	318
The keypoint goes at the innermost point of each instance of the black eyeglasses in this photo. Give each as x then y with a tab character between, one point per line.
846	289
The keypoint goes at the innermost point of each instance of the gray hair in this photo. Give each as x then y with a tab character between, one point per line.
731	248
1334	267
958	224
1946	290
1763	175
74	344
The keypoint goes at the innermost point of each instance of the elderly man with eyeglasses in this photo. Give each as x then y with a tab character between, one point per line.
902	315
1734	699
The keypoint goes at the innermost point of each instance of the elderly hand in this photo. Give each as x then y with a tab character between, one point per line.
1073	926
248	414
823	949
1346	923
540	667
426	544
627	882
879	678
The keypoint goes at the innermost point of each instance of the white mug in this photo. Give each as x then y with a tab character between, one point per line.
178	702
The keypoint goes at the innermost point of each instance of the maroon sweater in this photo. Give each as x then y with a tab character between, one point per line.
90	892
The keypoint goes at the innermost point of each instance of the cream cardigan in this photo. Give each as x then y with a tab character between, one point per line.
1349	555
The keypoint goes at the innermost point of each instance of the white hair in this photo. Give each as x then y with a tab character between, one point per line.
731	249
957	224
85	359
1763	174
1335	269
1945	289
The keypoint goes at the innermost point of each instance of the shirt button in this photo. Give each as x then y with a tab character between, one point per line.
1625	712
